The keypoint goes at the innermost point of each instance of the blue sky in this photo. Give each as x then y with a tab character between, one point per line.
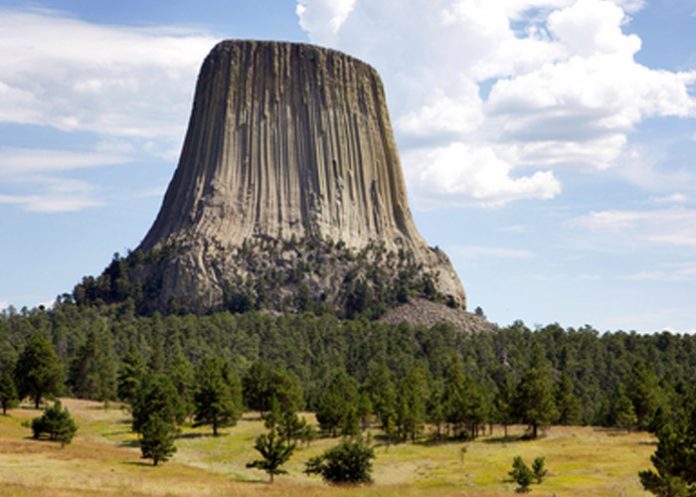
548	145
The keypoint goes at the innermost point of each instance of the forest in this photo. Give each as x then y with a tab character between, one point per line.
608	379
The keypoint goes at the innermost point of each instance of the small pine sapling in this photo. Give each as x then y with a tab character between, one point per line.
539	469
521	474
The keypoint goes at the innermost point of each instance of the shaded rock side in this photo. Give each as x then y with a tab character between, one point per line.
285	142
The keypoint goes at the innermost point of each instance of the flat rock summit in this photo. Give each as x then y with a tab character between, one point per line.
288	195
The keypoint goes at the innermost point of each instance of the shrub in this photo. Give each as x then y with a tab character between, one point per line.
350	462
55	422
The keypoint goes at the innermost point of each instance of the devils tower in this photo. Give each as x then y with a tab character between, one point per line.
289	194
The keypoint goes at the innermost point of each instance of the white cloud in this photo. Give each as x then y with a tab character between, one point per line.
323	18
51	203
669	273
39	171
515	83
23	162
116	81
130	87
4	304
479	251
675	198
461	172
670	227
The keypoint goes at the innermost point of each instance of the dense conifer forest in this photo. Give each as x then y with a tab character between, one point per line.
353	372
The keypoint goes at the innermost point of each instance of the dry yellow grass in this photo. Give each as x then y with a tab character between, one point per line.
104	460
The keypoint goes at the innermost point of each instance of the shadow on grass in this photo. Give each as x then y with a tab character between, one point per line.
139	463
130	444
509	439
186	436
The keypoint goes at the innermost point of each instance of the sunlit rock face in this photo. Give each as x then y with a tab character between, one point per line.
289	166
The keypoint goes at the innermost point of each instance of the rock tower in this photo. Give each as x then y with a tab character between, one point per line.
289	193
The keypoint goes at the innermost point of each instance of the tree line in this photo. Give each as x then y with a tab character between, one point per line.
354	373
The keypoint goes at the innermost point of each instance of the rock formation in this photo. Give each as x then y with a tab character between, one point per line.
289	192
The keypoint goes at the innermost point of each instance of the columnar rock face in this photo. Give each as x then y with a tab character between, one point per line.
289	153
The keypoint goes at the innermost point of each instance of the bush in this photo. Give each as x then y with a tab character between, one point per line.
55	422
350	462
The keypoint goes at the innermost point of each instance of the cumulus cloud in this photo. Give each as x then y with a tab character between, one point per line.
490	97
460	172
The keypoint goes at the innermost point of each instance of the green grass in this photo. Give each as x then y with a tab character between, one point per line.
104	460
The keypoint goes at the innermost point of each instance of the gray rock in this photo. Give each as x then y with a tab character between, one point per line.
285	142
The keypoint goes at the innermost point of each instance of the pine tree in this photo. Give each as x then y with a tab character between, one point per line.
567	403
534	403
336	403
644	391
8	392
55	422
275	451
379	385
624	413
156	395
215	401
181	372
39	372
539	469
521	474
131	374
674	461
261	384
411	407
93	371
157	442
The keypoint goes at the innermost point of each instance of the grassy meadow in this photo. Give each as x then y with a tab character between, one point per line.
104	460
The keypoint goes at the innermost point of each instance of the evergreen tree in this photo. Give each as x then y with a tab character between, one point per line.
55	422
156	395
336	403
217	398
534	403
624	413
39	372
364	410
181	372
503	403
674	462
379	385
567	403
93	371
8	392
644	391
539	469
157	442
464	402
350	462
261	384
131	374
275	451
411	408
521	474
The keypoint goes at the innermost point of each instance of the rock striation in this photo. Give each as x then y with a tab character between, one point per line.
288	187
